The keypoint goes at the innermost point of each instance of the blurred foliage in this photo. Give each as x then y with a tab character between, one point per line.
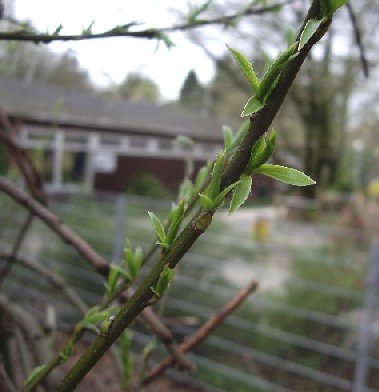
30	63
148	185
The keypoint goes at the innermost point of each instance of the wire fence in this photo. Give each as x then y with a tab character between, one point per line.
313	324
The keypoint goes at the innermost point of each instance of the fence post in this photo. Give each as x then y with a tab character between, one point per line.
119	228
364	343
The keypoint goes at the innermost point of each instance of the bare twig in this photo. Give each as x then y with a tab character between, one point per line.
5	383
52	220
155	33
161	332
16	247
53	278
204	330
100	264
26	167
358	39
30	329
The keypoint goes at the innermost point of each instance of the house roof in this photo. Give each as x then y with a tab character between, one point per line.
46	104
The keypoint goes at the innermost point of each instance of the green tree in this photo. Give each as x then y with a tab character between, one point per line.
192	93
29	62
136	87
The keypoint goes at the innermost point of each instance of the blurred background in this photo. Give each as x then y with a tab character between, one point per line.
101	119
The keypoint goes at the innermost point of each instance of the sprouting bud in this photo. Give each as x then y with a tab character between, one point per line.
105	326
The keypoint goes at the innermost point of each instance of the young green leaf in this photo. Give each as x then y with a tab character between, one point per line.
246	68
329	7
133	260
176	217
67	351
158	227
205	202
186	189
221	196
228	139
253	105
34	374
213	189
113	276
241	192
257	155
309	29
126	357
285	174
164	280
197	11
165	38
202	176
271	76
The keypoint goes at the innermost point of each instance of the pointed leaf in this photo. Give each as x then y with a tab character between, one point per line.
201	176
213	188
329	7
205	202
186	189
220	198
252	106
241	193
164	280
256	156
158	227
285	174
176	220
246	68
228	138
270	78
309	29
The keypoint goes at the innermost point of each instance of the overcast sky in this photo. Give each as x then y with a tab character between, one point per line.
109	60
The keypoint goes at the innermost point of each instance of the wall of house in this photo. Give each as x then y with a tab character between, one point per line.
169	171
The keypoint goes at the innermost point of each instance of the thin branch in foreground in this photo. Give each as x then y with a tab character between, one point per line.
25	165
204	330
50	219
53	278
16	247
5	383
155	33
100	264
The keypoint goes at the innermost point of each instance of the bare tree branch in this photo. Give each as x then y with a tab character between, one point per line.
98	262
358	39
5	383
25	165
204	331
52	277
155	33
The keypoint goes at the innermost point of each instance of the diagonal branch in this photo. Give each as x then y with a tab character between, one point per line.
50	219
205	330
99	263
259	124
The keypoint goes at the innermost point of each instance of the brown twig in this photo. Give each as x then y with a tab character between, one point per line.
204	330
5	383
100	264
50	219
155	33
53	278
16	247
358	39
26	167
161	331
